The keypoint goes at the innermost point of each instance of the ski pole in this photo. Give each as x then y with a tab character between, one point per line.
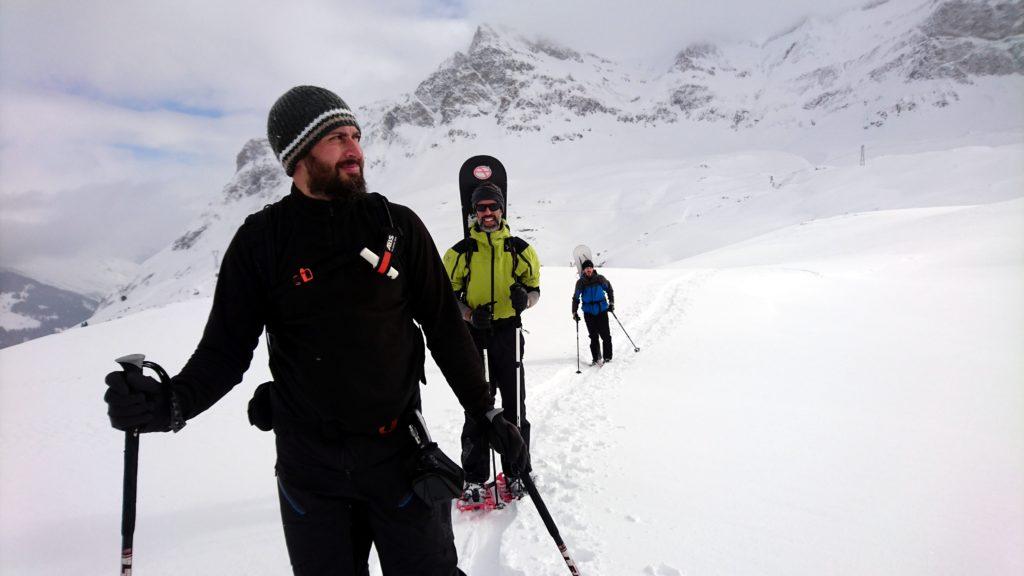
635	347
550	524
519	373
494	461
577	346
132	363
131	475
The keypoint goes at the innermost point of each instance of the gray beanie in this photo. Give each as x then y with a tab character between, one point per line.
488	191
300	118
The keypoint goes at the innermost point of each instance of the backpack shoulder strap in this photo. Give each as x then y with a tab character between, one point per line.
516	246
392	234
465	246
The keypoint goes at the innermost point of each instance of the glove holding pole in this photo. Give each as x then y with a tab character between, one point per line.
137	403
504	436
519	298
482	316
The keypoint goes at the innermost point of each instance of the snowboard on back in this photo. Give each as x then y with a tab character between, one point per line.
581	254
474	172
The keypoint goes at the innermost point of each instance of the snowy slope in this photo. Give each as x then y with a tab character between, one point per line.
840	396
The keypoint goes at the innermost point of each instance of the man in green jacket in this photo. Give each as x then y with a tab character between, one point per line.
496	276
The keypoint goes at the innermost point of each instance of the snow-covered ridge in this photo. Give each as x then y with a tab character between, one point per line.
931	49
726	143
187	268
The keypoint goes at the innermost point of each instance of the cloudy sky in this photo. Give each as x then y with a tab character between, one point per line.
120	120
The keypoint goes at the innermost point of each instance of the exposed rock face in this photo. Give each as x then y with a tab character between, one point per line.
502	77
256	170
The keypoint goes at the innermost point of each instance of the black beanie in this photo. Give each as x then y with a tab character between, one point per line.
300	118
488	191
587	264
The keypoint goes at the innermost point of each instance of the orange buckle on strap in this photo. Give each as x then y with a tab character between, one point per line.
304	275
385	430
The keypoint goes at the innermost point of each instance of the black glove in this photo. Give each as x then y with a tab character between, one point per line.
507	441
481	317
135	400
261	411
575	316
611	306
519	297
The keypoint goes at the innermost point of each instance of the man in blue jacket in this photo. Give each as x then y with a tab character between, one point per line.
598	299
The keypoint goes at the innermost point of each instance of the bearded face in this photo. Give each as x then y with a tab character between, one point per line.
335	180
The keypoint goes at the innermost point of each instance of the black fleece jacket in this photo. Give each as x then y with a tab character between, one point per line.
344	349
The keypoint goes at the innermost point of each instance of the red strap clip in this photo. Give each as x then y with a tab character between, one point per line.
304	275
385	430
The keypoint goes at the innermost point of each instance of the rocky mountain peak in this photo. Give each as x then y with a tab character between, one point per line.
983	20
256	170
694	57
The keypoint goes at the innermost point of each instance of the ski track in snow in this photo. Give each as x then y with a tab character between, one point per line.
571	442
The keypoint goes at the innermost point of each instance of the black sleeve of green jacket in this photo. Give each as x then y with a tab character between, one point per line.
232	330
435	308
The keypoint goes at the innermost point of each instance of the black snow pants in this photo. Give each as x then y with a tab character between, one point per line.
500	343
597	326
340	494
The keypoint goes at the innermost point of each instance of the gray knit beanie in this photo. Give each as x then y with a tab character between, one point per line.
300	118
488	191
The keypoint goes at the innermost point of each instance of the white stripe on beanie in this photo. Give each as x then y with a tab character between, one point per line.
312	125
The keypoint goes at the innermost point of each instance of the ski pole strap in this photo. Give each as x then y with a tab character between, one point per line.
177	420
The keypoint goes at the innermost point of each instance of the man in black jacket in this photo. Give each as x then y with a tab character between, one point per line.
337	277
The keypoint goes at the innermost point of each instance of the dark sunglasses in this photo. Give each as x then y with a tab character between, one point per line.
481	208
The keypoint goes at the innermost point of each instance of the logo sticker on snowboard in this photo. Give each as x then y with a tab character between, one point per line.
482	172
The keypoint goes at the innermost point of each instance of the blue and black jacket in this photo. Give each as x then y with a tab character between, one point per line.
593	292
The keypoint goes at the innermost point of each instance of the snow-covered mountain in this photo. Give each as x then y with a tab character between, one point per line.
884	60
188	267
725	134
30	309
875	64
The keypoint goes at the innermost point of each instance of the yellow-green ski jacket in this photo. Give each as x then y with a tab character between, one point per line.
483	268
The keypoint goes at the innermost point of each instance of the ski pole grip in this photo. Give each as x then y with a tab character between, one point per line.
131	362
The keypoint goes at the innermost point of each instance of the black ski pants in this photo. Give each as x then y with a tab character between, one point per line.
597	327
340	494
500	343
